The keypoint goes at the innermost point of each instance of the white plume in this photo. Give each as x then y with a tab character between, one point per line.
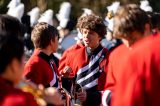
87	11
64	12
34	15
144	5
13	3
114	7
109	23
63	23
16	9
47	17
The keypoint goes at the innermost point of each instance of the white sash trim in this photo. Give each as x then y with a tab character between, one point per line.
53	80
104	97
91	84
89	75
83	69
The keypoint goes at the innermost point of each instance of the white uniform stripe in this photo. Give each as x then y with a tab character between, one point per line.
83	69
104	97
89	75
91	84
53	80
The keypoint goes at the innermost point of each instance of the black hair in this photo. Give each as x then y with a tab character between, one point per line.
11	25
11	47
155	19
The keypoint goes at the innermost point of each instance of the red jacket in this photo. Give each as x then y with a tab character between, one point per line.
39	70
65	60
10	96
77	58
115	60
139	85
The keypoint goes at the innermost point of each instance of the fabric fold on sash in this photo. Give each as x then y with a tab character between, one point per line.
88	75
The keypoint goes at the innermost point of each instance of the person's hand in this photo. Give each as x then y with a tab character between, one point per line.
52	96
82	96
66	71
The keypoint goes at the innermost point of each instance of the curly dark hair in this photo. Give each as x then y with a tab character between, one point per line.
129	18
92	22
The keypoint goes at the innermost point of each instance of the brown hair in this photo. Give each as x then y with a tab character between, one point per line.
129	18
42	34
92	22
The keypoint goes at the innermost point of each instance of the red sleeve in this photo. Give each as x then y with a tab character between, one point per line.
33	73
19	99
66	61
30	100
38	73
63	61
110	79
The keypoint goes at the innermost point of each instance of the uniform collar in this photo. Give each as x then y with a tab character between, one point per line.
44	56
95	52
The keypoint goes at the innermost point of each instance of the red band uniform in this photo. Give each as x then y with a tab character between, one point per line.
89	70
41	69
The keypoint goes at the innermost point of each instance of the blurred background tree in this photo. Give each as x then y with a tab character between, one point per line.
98	6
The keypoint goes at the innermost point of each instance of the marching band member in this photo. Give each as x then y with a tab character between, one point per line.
66	70
109	41
40	68
140	83
131	24
67	82
11	67
140	78
88	62
65	28
11	71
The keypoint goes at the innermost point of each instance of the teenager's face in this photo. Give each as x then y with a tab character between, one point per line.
90	38
54	44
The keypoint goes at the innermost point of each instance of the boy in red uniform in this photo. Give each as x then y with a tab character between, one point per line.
88	62
11	67
11	64
131	24
140	84
41	68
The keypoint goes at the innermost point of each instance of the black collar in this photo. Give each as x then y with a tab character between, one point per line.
95	52
44	56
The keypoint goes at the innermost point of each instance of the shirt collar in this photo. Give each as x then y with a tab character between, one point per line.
44	56
95	52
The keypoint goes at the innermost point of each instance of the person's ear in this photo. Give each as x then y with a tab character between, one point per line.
14	65
52	41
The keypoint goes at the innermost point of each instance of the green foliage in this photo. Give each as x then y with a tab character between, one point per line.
3	6
98	6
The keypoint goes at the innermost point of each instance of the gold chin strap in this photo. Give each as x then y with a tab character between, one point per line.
110	14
